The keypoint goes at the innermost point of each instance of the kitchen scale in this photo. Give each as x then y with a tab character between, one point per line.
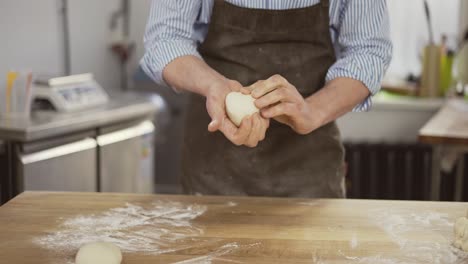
69	93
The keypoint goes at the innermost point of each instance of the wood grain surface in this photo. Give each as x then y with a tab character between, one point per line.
239	230
448	126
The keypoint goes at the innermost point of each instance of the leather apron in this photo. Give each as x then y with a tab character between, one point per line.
253	44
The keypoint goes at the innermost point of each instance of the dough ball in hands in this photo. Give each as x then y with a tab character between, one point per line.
239	106
99	253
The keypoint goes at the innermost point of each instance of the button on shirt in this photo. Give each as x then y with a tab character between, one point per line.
359	31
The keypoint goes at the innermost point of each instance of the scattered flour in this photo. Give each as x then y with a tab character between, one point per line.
400	225
131	228
168	226
311	203
353	243
157	229
223	250
218	254
231	204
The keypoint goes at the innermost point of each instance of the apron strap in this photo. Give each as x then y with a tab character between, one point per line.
325	3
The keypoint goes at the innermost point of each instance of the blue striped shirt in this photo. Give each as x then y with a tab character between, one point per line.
359	30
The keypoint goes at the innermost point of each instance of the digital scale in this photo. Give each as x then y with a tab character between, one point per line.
69	93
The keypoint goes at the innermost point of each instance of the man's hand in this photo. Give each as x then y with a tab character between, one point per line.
252	129
279	99
339	96
198	77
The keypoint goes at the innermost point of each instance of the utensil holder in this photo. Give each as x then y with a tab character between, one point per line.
16	96
430	78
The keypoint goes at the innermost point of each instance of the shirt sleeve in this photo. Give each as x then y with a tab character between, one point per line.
363	44
169	34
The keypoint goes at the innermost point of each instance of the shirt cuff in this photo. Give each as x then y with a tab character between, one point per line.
365	106
160	55
367	69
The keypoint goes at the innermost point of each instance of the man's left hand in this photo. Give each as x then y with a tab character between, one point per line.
279	99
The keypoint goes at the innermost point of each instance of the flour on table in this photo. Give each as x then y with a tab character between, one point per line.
207	259
156	229
401	224
231	204
162	227
354	241
309	203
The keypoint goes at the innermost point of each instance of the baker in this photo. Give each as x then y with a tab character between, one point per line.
305	62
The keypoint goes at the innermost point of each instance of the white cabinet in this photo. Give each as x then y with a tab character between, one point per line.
126	159
67	167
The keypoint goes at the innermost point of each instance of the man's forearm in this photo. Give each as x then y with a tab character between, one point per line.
190	73
337	98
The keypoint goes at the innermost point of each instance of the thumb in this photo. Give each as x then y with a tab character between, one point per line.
216	120
214	125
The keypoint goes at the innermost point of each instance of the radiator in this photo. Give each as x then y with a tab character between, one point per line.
394	171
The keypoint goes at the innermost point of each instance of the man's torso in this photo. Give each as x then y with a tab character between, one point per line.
206	9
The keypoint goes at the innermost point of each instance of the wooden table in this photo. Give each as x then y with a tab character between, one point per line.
49	228
447	131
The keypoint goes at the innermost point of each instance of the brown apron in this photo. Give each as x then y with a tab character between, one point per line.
253	44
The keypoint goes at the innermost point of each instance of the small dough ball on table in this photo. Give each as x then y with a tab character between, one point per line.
461	233
99	253
239	106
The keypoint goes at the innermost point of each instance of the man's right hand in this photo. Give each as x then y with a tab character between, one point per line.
190	73
252	129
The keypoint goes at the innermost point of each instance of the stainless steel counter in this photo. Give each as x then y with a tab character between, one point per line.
106	148
45	124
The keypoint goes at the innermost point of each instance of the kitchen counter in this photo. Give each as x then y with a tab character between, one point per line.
447	132
394	119
91	150
45	124
41	227
448	126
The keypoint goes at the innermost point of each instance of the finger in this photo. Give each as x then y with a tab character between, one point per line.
252	86
256	131
217	113
259	89
213	126
277	96
242	134
216	120
228	128
278	110
234	85
265	126
237	135
245	91
255	83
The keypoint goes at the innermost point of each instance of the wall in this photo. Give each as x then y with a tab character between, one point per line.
410	32
31	33
30	36
139	12
34	32
34	35
90	40
464	17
